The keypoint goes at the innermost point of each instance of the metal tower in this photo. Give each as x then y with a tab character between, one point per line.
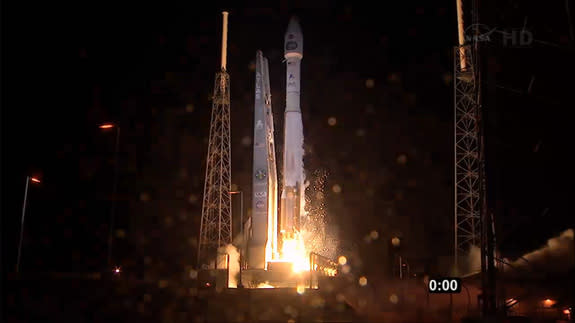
216	223
468	165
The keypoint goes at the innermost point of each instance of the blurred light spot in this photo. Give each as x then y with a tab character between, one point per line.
395	241
367	238
342	260
345	269
548	302
537	146
369	109
447	78
374	234
144	197
193	274
393	78
291	321
120	233
332	121
369	83
246	141
340	298
252	66
336	188
393	299
189	107
401	159
290	310
300	290
317	301
411	99
362	281
193	198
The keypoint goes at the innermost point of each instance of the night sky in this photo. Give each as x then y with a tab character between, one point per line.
384	75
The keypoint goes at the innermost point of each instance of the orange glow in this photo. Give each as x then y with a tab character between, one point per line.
106	126
566	311
548	302
293	250
35	180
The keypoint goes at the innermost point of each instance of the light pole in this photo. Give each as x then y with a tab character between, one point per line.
114	188
241	231
28	180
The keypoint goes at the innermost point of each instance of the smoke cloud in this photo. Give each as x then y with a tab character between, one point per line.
556	255
234	264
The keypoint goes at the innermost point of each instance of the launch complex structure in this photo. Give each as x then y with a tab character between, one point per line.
276	250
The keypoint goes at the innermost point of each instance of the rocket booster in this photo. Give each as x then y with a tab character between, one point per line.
292	197
262	247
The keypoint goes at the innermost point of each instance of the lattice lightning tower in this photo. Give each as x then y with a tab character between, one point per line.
216	223
468	155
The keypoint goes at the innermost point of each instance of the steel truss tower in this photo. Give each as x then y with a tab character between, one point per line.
468	185
216	223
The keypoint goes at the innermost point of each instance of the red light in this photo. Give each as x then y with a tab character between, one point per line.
566	311
106	126
208	284
35	180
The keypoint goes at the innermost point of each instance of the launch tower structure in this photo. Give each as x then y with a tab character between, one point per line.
468	186
216	222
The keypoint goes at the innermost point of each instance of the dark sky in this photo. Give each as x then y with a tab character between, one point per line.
150	68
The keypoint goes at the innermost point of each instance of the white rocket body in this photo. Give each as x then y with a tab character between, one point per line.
292	196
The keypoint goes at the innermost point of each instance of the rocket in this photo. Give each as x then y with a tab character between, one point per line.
292	195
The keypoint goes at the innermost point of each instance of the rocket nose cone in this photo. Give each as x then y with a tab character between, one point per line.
293	40
293	26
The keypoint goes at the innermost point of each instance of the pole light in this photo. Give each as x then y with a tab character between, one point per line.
28	180
105	126
241	193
